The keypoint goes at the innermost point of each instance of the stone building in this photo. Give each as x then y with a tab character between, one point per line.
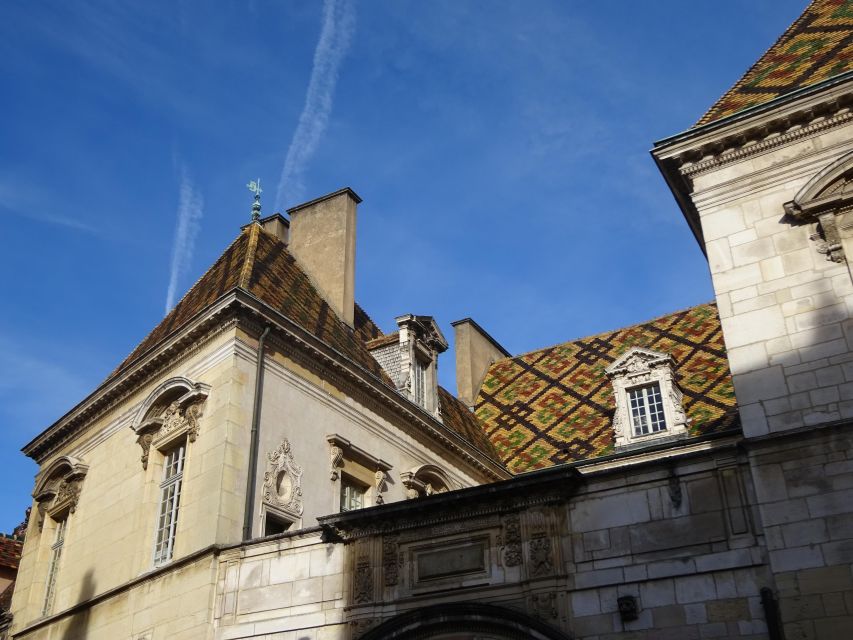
268	464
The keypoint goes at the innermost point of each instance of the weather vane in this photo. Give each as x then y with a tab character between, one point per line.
255	187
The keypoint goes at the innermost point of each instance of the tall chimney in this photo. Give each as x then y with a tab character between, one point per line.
476	350
322	239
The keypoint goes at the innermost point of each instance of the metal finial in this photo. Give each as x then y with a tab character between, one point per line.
255	187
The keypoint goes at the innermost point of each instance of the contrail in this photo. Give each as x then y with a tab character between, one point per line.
189	217
335	35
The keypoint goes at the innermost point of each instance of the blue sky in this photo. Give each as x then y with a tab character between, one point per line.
500	147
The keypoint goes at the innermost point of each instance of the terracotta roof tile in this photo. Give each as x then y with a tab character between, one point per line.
382	341
10	552
462	420
816	47
556	405
259	263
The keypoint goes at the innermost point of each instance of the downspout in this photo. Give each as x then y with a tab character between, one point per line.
255	437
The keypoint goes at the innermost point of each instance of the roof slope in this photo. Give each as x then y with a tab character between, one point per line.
259	263
816	47
556	405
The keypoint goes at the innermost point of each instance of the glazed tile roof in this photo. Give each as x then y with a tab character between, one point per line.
556	405
816	47
10	552
259	263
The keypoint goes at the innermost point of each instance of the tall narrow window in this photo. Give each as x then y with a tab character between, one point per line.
352	494
53	569
647	410
419	389
170	499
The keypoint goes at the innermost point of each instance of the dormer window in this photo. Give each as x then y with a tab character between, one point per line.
410	358
647	398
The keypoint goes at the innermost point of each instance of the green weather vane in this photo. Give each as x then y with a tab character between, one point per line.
255	187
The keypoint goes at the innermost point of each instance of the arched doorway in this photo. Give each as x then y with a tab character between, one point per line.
464	621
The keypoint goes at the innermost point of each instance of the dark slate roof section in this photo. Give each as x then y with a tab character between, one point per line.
818	46
556	405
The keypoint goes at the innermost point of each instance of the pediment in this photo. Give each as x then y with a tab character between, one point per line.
638	359
830	191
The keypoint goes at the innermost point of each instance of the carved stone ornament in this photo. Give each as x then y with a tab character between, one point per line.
361	626
283	480
363	583
512	541
390	565
380	483
823	202
172	411
336	461
541	562
58	491
544	605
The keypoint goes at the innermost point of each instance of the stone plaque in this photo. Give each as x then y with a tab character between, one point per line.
451	561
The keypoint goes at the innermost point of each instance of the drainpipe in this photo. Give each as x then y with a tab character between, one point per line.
253	446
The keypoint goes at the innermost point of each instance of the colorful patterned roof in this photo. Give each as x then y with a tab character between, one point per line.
816	47
258	262
556	405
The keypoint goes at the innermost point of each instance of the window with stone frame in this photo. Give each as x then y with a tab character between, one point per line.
53	567
352	494
647	398
170	501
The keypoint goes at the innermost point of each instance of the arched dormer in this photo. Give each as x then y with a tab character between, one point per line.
171	411
58	487
826	201
425	480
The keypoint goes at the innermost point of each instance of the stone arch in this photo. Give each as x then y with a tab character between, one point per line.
827	202
58	488
425	480
172	410
464	620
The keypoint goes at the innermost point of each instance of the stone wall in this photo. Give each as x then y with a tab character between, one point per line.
680	536
785	307
804	486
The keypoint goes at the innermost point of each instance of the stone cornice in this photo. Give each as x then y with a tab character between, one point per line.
552	485
239	306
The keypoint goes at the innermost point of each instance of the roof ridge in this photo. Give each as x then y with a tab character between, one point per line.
604	333
249	262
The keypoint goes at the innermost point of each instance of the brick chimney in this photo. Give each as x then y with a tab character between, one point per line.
322	239
476	350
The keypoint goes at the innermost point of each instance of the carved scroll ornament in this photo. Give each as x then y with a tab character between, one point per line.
283	480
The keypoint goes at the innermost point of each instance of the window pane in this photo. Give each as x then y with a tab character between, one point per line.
53	568
646	406
352	495
170	499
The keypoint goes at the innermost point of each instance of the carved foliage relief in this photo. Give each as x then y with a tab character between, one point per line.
283	480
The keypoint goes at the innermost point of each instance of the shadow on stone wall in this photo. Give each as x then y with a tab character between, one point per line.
77	626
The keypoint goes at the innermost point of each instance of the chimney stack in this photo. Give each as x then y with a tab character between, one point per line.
322	239
476	350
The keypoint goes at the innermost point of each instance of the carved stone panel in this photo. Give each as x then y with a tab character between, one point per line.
283	480
541	560
390	563
512	541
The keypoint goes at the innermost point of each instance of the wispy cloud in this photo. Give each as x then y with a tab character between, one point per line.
190	205
23	201
335	36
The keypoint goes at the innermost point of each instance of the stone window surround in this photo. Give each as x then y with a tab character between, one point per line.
58	490
180	419
348	459
425	480
640	367
826	202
